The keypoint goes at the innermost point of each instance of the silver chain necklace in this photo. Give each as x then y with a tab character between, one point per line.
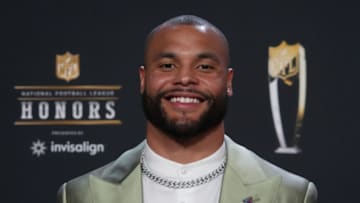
181	184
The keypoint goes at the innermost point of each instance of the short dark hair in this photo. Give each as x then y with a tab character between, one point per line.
188	20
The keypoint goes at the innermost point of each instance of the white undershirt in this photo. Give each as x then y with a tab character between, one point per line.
208	192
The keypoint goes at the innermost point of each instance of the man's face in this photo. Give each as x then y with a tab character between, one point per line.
185	82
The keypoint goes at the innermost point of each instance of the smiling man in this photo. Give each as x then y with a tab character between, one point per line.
185	85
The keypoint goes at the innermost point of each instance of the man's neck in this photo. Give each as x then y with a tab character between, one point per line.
185	151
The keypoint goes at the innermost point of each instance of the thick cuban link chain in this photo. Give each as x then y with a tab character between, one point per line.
181	184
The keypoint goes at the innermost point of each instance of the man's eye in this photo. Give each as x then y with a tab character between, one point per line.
205	67
167	66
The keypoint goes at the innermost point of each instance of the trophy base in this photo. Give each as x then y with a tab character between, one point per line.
288	150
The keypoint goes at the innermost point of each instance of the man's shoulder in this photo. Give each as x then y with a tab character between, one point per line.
292	186
82	181
114	172
254	169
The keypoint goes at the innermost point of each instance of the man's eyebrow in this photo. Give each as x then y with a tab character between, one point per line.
203	55
209	55
164	55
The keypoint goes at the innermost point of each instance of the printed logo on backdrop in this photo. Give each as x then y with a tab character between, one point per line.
40	148
287	85
68	66
67	105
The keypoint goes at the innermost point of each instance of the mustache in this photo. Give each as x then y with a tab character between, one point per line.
206	96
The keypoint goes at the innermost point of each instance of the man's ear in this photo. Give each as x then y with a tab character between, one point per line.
142	78
229	79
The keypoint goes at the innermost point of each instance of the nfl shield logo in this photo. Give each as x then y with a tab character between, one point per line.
67	66
284	61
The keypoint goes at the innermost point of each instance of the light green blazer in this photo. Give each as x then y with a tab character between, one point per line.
246	177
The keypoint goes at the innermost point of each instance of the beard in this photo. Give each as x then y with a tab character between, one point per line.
184	129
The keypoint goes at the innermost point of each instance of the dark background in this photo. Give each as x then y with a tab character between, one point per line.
109	38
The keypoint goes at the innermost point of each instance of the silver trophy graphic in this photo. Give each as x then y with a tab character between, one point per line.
287	85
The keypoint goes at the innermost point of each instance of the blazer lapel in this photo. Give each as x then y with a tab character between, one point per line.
244	180
129	190
234	191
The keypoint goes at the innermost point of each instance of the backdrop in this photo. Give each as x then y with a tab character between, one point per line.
108	37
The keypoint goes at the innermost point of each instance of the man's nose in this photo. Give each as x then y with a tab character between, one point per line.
186	76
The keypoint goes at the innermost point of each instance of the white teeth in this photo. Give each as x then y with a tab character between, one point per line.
184	100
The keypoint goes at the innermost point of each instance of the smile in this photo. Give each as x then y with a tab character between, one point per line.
187	100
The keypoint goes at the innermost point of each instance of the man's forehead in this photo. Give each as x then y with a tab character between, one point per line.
192	39
167	36
189	36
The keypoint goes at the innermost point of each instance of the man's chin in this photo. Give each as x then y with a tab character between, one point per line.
182	129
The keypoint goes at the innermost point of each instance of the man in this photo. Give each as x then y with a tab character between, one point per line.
186	157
